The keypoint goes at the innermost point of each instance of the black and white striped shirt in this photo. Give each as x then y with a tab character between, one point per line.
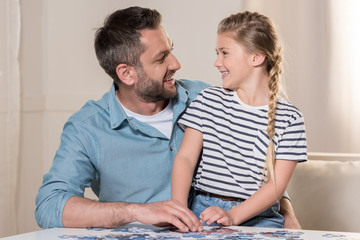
235	141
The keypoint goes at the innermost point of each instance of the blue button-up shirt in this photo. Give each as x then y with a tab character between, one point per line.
121	158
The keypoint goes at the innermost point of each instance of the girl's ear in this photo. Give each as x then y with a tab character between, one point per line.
126	73
257	59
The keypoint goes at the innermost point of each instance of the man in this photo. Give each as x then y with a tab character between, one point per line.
123	145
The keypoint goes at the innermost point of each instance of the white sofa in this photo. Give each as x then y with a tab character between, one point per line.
325	192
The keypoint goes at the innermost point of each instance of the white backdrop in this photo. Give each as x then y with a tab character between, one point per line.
322	68
59	72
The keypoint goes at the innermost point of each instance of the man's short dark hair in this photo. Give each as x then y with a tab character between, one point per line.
118	40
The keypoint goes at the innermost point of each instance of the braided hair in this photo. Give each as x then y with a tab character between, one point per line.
256	33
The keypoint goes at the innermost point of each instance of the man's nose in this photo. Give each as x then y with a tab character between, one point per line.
173	63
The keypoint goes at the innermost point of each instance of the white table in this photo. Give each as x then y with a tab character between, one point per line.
138	231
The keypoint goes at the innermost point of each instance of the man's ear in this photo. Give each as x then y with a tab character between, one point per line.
257	59
125	73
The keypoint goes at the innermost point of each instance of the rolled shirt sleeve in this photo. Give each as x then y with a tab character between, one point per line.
70	173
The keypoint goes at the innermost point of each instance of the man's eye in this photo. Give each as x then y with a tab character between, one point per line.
162	59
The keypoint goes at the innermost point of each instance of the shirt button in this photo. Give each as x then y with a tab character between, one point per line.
171	149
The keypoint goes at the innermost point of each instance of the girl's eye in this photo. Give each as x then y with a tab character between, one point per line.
222	53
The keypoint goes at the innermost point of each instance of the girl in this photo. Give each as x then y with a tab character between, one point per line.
241	174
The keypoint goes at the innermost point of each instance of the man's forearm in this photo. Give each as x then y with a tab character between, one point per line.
81	212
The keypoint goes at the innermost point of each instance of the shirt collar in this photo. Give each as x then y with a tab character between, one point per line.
117	113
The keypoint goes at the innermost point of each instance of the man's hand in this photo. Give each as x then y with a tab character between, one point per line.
288	213
165	213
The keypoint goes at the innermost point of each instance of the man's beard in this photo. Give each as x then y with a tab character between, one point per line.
150	90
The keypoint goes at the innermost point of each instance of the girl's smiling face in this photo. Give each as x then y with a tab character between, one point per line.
233	62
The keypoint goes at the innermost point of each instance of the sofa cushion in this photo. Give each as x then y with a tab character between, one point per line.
326	195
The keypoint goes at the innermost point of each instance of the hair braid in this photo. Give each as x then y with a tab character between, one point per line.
274	80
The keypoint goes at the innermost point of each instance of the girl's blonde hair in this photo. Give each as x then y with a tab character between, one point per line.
256	33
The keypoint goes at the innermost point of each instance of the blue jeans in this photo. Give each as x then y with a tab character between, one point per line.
270	218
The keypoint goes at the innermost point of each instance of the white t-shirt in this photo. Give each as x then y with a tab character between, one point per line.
162	121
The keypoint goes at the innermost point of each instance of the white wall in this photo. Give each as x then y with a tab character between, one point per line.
9	113
60	71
